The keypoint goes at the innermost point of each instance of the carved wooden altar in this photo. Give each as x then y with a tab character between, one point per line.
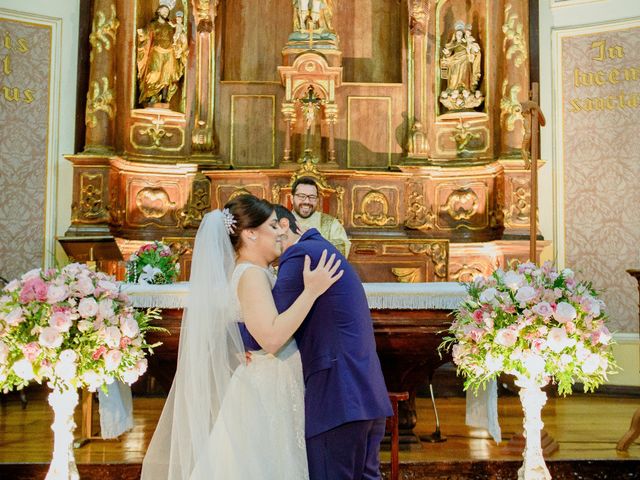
409	114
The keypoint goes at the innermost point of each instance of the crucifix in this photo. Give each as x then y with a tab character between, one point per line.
310	105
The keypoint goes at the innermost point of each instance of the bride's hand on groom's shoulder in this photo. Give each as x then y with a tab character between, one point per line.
326	273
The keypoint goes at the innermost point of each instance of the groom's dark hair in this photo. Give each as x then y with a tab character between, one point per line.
283	212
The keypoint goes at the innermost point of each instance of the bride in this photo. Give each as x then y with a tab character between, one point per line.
226	418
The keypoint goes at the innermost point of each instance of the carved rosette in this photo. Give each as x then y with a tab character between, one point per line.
90	206
374	210
461	204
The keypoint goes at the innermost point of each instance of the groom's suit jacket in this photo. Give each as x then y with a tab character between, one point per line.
342	374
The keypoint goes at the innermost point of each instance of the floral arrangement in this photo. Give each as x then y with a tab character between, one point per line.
536	323
72	327
153	263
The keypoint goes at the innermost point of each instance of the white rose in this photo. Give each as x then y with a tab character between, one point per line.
88	307
57	293
506	337
565	360
591	364
14	317
525	294
557	340
141	366
50	337
129	327
23	369
582	352
565	312
488	295
92	379
31	274
513	280
65	370
108	285
68	356
494	364
12	286
112	359
105	308
85	326
130	376
112	337
84	286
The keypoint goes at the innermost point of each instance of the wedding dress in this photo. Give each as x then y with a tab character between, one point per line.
224	418
259	432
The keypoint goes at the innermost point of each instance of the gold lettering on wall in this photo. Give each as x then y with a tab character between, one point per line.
11	51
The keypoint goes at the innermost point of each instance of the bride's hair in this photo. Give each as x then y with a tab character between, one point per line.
248	212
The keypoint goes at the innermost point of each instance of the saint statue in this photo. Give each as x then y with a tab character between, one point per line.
313	15
460	65
162	56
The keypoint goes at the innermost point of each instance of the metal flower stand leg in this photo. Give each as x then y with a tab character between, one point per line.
63	463
533	399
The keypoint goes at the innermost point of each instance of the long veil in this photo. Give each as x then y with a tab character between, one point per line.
210	349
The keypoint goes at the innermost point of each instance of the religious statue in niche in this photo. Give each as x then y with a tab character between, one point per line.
460	66
162	56
313	17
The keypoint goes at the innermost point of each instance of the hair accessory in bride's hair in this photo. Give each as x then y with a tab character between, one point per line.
229	221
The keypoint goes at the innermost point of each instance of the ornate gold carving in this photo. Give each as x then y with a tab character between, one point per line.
374	209
514	32
275	193
462	204
418	216
199	202
205	23
238	193
438	252
103	32
520	201
463	136
153	202
466	273
418	18
99	99
90	206
156	132
406	274
510	106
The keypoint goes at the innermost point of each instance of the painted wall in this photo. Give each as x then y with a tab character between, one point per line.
589	196
62	17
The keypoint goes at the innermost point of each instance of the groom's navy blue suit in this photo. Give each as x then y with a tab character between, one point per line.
346	400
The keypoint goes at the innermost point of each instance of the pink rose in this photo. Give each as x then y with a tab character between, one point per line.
31	351
84	286
543	309
477	316
129	326
50	337
33	289
141	366
538	345
105	308
570	327
87	307
112	337
99	352
61	321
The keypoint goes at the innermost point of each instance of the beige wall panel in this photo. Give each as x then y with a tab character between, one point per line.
369	135
253	125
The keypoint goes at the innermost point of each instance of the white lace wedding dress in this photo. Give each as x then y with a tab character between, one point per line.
259	432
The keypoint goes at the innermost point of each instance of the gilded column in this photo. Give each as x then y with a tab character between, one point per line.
515	81
101	105
417	146
202	138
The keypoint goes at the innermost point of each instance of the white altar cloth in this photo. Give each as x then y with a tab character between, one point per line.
481	411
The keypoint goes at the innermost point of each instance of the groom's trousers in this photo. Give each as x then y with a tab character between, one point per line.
350	451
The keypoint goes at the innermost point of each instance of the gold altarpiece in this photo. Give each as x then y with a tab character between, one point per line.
409	114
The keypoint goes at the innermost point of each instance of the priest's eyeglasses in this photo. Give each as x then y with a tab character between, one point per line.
302	197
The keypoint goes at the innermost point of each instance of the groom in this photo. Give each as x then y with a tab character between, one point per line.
346	400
